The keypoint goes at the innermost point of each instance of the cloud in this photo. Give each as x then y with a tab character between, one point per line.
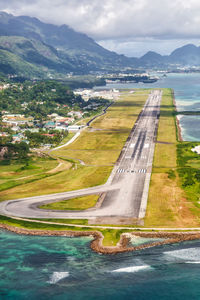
104	19
115	20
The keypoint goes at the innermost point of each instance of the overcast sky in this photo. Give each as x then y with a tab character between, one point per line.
131	27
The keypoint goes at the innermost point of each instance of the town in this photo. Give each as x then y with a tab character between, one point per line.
40	116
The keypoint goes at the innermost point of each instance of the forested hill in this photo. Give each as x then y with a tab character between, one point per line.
33	49
48	50
38	99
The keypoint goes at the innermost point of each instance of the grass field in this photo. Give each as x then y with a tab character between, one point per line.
168	204
19	173
80	203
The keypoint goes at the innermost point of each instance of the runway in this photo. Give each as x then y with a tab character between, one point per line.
126	191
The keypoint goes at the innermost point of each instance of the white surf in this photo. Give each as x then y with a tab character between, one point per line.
132	269
190	254
57	276
193	262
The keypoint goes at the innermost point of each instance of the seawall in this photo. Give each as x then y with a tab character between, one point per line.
123	245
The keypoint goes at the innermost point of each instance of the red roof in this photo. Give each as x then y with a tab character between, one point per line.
48	134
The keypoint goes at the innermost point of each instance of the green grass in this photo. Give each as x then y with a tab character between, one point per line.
80	203
67	221
72	179
20	173
189	172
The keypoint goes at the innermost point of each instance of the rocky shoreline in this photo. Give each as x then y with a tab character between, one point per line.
177	121
124	244
179	129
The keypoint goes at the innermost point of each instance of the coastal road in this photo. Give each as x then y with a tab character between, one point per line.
126	192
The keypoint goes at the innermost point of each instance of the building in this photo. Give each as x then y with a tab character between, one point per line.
50	125
74	128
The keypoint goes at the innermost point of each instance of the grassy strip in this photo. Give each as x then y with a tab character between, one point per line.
66	221
80	203
168	205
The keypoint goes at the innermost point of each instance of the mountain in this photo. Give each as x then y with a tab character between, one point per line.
151	59
186	55
33	49
34	54
73	51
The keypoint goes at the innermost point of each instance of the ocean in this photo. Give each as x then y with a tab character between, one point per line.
61	268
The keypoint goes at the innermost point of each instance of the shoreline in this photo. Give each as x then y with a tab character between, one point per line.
177	120
123	245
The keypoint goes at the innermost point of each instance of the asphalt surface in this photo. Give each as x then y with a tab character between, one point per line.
126	191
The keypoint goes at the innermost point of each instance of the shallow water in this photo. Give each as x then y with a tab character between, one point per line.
66	268
187	94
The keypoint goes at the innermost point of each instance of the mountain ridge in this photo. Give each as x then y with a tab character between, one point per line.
47	50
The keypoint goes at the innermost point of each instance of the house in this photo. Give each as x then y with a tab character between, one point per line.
74	128
32	130
17	138
4	134
16	120
61	127
50	125
48	134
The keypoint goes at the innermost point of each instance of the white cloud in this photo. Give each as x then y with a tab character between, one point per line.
117	19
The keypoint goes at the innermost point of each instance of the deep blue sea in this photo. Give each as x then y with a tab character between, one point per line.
61	268
187	94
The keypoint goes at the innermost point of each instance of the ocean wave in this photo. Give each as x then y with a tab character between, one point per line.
192	262
132	269
57	276
190	254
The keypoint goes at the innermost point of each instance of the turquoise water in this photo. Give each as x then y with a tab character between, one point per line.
187	94
63	268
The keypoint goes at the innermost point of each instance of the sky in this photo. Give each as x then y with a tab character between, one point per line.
130	27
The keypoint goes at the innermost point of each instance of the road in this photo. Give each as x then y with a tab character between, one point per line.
126	191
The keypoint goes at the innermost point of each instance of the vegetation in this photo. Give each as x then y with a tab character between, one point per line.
17	151
19	172
80	203
41	98
189	172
